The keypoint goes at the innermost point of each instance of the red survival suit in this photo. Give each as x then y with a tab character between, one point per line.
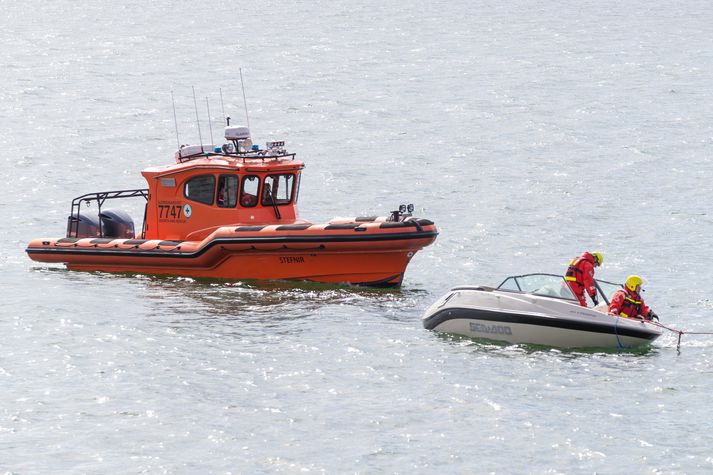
580	277
627	303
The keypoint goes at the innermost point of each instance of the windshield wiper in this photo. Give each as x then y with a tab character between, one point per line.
268	190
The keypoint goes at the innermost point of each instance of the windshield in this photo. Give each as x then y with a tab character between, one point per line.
549	285
607	289
552	285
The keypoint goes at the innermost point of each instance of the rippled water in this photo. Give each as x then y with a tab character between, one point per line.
529	131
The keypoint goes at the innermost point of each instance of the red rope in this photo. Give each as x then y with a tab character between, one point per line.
680	332
666	328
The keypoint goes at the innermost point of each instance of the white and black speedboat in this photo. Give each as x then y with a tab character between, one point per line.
537	309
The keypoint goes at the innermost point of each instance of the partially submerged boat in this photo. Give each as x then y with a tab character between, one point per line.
230	211
537	309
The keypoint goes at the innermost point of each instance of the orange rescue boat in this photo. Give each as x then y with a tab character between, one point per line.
230	212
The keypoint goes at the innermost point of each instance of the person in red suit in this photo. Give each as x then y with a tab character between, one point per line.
628	303
580	276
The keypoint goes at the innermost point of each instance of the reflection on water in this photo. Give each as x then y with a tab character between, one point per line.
230	298
250	306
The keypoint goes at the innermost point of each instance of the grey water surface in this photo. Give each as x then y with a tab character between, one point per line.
529	131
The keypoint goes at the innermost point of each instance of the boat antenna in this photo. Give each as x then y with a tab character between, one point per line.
222	105
210	126
195	104
175	121
245	102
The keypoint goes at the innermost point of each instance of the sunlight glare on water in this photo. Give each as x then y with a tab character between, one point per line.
528	131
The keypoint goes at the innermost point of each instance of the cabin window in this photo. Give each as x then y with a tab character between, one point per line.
227	192
249	191
200	189
277	189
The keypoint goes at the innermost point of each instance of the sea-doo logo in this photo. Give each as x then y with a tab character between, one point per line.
493	329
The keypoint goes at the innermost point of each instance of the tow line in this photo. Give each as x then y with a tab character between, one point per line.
681	333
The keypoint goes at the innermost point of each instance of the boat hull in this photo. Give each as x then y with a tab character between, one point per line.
560	325
370	256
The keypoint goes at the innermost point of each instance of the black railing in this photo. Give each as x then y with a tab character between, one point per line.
253	155
100	197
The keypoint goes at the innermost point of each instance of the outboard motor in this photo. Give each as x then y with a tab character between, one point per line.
117	224
82	226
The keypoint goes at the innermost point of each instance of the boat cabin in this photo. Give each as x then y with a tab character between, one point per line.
189	200
209	186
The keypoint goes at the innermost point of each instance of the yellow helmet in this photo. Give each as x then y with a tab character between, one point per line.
598	257
633	281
